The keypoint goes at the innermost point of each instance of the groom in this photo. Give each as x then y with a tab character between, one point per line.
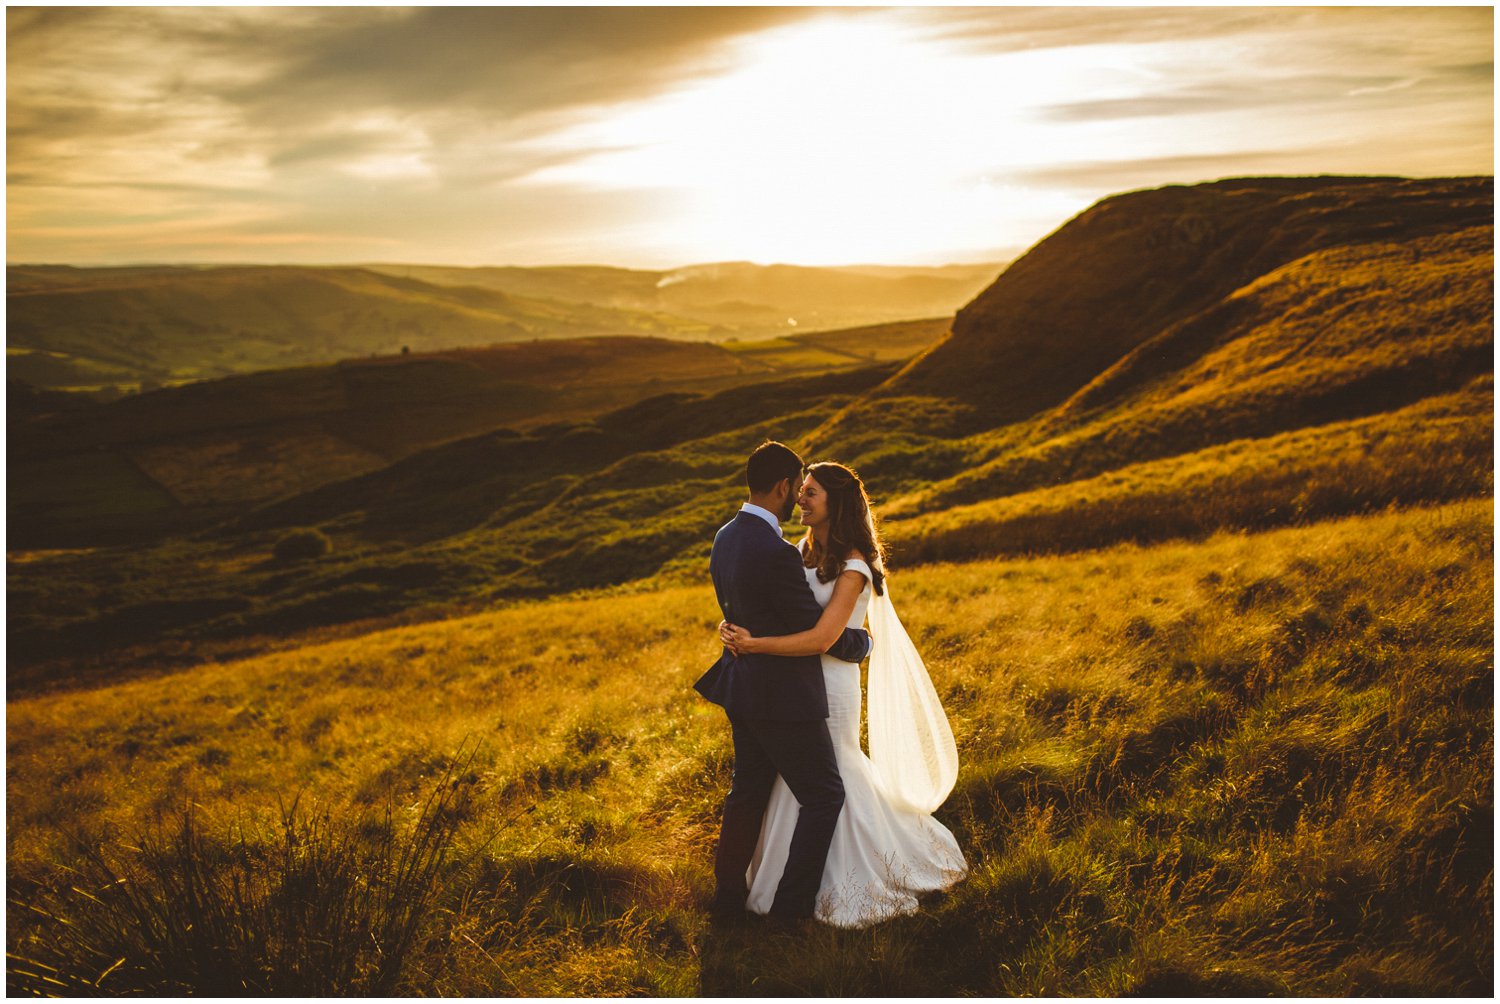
776	704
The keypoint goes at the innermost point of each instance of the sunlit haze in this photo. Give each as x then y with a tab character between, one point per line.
661	137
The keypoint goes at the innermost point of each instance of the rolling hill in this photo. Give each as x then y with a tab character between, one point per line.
92	327
1356	327
1247	353
187	456
1166	264
114	330
748	299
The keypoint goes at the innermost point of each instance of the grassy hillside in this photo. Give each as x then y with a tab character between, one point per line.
640	494
208	450
502	514
1135	266
1344	379
1343	333
1438	449
1256	764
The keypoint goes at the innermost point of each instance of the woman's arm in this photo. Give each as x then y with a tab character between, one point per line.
814	641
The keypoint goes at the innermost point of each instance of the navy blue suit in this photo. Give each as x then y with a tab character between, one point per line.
777	709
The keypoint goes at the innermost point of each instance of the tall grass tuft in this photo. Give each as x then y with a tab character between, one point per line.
328	905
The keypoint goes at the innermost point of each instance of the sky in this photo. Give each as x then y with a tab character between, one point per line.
661	137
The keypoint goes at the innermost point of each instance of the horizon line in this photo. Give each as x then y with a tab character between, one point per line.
443	264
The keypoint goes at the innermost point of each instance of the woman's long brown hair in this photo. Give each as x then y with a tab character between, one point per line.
851	526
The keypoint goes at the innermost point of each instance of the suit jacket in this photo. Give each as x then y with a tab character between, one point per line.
759	581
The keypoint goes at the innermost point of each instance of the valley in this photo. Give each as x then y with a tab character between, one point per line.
185	457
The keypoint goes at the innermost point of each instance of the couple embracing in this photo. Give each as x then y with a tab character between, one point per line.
812	827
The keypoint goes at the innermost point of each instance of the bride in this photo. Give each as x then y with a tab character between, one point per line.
886	847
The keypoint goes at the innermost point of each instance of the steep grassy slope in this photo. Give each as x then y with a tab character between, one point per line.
1136	265
1440	448
1256	764
1342	333
211	449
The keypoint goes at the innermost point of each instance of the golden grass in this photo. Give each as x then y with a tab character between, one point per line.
1438	449
1258	763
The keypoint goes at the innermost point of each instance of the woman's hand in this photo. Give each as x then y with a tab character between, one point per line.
736	639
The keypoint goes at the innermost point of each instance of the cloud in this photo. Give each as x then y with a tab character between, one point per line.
1224	97
1390	33
1099	177
464	132
276	75
502	62
295	101
1020	29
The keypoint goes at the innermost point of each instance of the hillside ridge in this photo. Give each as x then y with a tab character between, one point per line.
1134	264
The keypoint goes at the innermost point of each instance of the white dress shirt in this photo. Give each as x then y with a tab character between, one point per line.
764	514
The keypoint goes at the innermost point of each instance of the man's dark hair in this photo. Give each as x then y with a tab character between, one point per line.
772	462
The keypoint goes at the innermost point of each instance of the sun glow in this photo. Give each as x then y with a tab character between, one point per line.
838	142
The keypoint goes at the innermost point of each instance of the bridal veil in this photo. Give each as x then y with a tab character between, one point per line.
911	743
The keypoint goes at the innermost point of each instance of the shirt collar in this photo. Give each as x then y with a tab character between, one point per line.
764	514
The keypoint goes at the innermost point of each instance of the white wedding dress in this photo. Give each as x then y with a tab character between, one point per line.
886	847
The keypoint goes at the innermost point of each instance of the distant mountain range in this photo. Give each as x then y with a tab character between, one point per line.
120	329
740	297
1248	353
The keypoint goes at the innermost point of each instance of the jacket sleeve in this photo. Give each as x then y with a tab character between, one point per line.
794	602
853	645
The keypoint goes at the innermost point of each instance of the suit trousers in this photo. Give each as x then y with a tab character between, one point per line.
802	753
